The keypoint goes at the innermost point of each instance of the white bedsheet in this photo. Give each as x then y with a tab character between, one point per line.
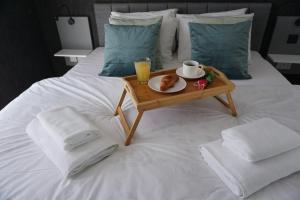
262	72
163	162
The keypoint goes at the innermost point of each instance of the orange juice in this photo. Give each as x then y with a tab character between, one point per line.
142	69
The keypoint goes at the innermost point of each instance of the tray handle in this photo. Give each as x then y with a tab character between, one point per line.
130	90
222	76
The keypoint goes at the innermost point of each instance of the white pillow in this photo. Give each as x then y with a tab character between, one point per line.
167	30
131	21
144	15
184	39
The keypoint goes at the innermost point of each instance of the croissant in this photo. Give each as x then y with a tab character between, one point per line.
168	81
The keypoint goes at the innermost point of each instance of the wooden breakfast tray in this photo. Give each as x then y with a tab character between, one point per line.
146	99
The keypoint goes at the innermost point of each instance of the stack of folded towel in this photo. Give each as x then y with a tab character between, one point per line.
254	155
70	141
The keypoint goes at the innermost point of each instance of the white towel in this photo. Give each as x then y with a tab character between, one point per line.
244	178
67	127
70	163
260	139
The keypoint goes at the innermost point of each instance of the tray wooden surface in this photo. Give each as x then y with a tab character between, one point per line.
145	98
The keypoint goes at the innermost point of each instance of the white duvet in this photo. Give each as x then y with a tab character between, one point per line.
163	161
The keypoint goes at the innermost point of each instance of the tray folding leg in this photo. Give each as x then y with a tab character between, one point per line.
129	130
133	127
229	104
120	101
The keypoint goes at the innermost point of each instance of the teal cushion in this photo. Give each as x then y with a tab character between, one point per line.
126	44
224	46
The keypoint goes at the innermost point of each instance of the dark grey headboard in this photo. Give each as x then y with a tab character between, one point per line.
261	10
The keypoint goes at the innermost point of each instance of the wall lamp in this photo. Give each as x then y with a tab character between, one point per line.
71	21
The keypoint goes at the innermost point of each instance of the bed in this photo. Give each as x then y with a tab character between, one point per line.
163	161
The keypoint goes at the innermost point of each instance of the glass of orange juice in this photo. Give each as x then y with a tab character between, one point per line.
142	69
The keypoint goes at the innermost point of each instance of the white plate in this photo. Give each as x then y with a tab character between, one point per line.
154	84
179	72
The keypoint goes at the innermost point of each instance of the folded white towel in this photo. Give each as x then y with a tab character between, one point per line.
70	163
244	178
260	139
67	127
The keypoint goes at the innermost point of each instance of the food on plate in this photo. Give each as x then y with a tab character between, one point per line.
168	81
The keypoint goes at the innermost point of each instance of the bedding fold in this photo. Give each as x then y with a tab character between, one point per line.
67	127
70	163
245	178
260	139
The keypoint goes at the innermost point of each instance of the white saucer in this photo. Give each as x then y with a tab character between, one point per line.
154	84
179	72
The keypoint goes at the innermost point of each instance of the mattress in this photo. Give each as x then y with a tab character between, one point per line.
163	162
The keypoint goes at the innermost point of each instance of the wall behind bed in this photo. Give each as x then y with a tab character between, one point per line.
50	8
23	53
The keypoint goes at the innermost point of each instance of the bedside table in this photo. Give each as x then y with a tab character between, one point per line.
288	65
73	55
284	61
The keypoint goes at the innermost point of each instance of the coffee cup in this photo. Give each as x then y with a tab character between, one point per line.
191	68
